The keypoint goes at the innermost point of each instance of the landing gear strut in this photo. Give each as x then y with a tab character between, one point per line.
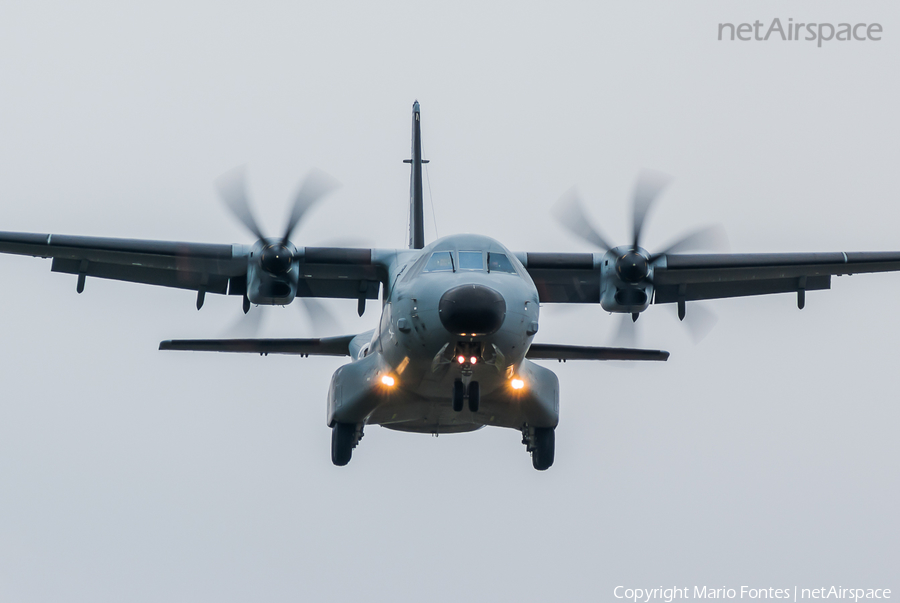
541	443
344	438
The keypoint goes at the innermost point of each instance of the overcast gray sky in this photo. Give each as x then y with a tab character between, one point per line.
766	455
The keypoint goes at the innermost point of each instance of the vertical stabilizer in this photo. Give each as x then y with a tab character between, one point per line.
416	210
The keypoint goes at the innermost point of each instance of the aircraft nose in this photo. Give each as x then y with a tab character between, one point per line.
472	310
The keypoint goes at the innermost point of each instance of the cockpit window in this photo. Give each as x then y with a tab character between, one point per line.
440	261
498	262
471	260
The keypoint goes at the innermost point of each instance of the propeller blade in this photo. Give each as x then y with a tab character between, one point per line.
316	185
627	336
569	212
708	238
247	325
232	187
646	190
699	321
627	332
320	317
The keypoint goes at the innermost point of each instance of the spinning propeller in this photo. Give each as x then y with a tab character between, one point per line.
277	255
633	263
321	320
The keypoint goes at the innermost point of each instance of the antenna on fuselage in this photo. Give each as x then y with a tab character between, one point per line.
416	209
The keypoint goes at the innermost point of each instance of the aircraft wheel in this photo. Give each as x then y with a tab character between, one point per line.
342	436
459	393
544	445
474	396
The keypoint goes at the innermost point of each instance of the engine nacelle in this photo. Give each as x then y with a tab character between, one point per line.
272	273
626	280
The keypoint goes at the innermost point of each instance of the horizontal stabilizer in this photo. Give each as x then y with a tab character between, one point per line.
550	351
326	346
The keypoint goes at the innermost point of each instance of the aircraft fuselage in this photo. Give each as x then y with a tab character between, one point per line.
459	312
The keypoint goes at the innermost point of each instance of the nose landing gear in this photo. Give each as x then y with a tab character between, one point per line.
461	393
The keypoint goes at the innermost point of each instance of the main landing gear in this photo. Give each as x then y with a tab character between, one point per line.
461	393
541	443
344	438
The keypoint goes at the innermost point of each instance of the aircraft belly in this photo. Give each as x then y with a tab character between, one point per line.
537	407
358	396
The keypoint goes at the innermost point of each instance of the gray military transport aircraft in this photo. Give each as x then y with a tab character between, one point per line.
453	351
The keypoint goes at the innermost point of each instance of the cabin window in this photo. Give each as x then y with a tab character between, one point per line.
471	260
498	262
440	261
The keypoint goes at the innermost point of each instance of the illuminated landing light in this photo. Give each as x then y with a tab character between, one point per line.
387	380
473	360
517	383
461	359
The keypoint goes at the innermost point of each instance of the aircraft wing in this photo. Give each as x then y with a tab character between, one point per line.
326	346
574	277
709	276
563	277
211	268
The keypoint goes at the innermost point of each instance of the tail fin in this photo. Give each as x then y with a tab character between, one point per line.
416	210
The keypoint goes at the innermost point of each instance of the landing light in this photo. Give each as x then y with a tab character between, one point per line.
517	383
387	380
461	359
473	360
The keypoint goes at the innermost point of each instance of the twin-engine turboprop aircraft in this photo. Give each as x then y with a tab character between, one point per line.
454	349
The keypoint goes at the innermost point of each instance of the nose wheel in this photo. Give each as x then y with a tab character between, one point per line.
474	396
461	393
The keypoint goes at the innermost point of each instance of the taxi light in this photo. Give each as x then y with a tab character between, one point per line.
461	359
473	360
517	383
387	380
